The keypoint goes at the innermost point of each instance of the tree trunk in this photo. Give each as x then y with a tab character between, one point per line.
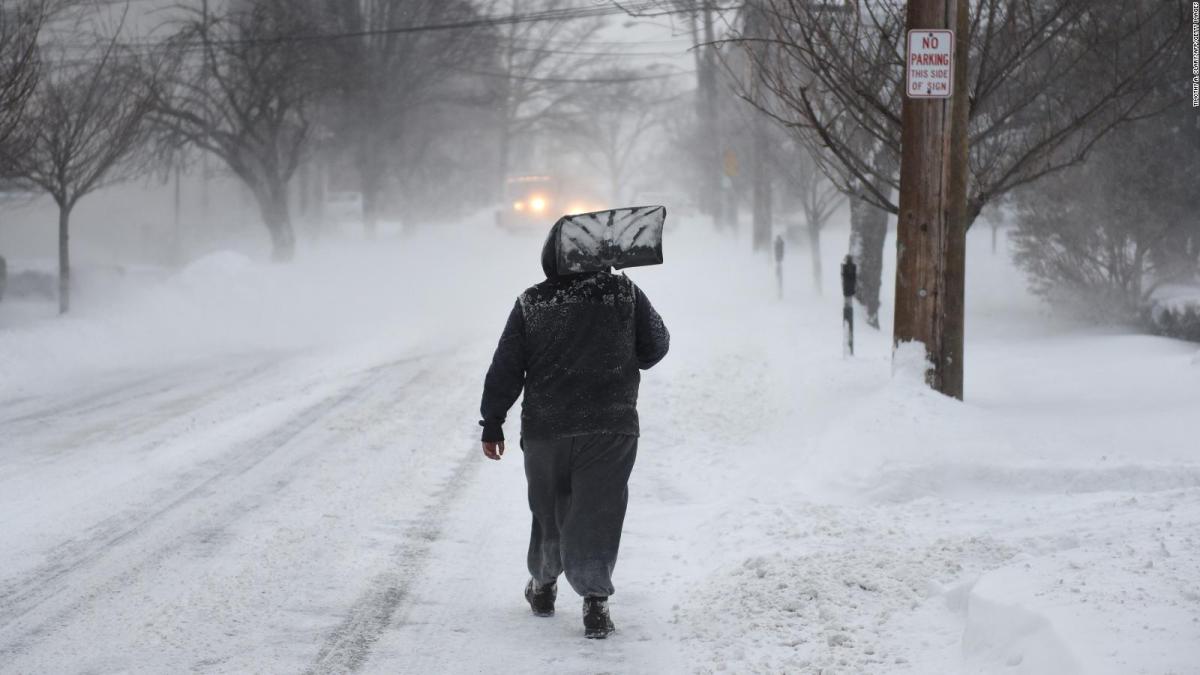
502	162
814	248
370	176
64	257
177	230
304	201
371	197
761	189
320	169
868	230
995	228
731	206
506	112
1136	278
931	236
273	205
204	177
711	199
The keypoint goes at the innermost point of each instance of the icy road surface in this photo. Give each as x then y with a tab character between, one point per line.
246	468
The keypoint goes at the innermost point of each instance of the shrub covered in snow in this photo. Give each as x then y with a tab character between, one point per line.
1175	312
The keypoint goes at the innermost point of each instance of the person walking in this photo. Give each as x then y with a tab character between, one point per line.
575	343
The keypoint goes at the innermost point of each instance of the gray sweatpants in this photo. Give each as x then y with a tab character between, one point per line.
578	490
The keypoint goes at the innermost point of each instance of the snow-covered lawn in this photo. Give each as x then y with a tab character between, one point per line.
247	468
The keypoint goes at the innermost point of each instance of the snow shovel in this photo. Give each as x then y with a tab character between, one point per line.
619	238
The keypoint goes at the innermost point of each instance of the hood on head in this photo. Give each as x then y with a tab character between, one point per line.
550	251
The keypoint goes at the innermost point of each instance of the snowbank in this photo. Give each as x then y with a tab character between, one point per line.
389	292
849	520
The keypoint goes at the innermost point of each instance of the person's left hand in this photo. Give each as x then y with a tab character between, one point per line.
493	450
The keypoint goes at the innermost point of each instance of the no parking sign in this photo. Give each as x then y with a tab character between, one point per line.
930	64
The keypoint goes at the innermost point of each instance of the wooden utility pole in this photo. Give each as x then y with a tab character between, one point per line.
760	174
706	86
931	238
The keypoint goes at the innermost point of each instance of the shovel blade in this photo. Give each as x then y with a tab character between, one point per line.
618	238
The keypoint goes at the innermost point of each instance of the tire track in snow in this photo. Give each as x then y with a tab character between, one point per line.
160	414
105	398
20	597
348	647
164	410
95	401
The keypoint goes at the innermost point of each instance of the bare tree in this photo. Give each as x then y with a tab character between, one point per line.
817	196
703	20
20	25
392	63
606	121
86	124
537	61
766	68
445	172
1047	79
241	90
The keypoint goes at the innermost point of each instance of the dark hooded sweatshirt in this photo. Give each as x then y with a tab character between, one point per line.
575	344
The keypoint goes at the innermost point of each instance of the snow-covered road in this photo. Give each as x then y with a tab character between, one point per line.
196	480
153	529
272	515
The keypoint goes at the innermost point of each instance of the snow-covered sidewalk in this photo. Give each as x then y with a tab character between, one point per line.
209	475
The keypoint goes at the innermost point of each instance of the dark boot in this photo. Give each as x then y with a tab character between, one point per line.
596	622
541	598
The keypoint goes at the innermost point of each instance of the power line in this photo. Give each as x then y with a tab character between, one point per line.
544	16
552	15
151	47
573	80
605	43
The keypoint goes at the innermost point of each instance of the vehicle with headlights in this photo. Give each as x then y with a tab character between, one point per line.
536	201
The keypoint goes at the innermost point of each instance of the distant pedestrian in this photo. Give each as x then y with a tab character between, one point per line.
575	343
779	264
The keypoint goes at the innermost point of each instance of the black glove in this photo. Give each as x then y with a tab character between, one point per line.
492	432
